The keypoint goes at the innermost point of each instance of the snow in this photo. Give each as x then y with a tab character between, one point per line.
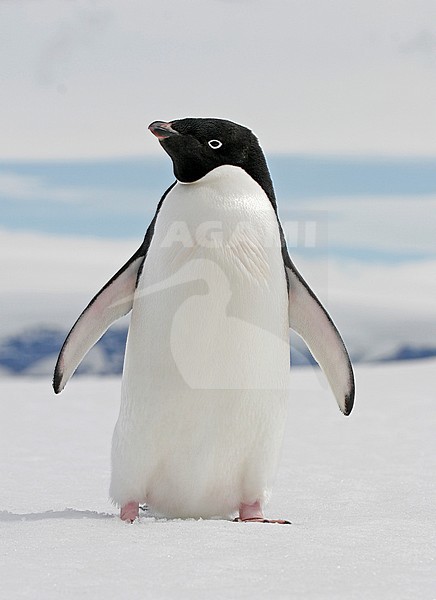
358	490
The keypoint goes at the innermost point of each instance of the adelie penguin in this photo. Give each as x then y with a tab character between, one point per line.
213	293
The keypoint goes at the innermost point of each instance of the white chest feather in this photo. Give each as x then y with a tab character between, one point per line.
213	286
207	362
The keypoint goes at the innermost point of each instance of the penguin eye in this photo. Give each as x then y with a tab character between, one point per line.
215	144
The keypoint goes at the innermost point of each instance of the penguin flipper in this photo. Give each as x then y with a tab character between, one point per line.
310	320
112	302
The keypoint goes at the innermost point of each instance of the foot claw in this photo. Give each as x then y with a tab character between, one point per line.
261	520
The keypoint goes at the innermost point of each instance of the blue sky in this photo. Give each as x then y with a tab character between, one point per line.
340	93
369	209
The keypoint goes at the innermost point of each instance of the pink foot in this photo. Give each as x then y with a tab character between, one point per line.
253	513
129	512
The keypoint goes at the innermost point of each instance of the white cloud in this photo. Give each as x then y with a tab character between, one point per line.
28	188
400	225
48	279
85	79
421	43
68	40
32	189
33	262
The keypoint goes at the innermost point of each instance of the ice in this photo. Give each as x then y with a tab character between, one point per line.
358	490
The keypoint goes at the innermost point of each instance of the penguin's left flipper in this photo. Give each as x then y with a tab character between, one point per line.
112	302
310	320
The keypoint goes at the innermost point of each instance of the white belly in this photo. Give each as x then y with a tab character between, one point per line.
207	361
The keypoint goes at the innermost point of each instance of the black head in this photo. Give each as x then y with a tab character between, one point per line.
197	146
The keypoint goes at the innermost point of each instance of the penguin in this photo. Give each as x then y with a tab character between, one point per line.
213	294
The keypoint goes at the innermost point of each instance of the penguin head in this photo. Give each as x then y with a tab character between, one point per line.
197	146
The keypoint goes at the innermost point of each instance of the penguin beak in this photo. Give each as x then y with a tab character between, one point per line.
162	130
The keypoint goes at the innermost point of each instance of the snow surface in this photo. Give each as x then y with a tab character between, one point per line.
359	492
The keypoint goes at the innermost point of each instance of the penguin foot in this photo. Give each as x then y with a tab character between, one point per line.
258	520
129	512
253	513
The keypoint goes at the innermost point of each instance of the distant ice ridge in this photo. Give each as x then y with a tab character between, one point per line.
33	352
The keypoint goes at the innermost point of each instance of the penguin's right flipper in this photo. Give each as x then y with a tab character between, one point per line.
112	302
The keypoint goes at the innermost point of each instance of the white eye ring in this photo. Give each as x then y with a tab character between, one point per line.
215	144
